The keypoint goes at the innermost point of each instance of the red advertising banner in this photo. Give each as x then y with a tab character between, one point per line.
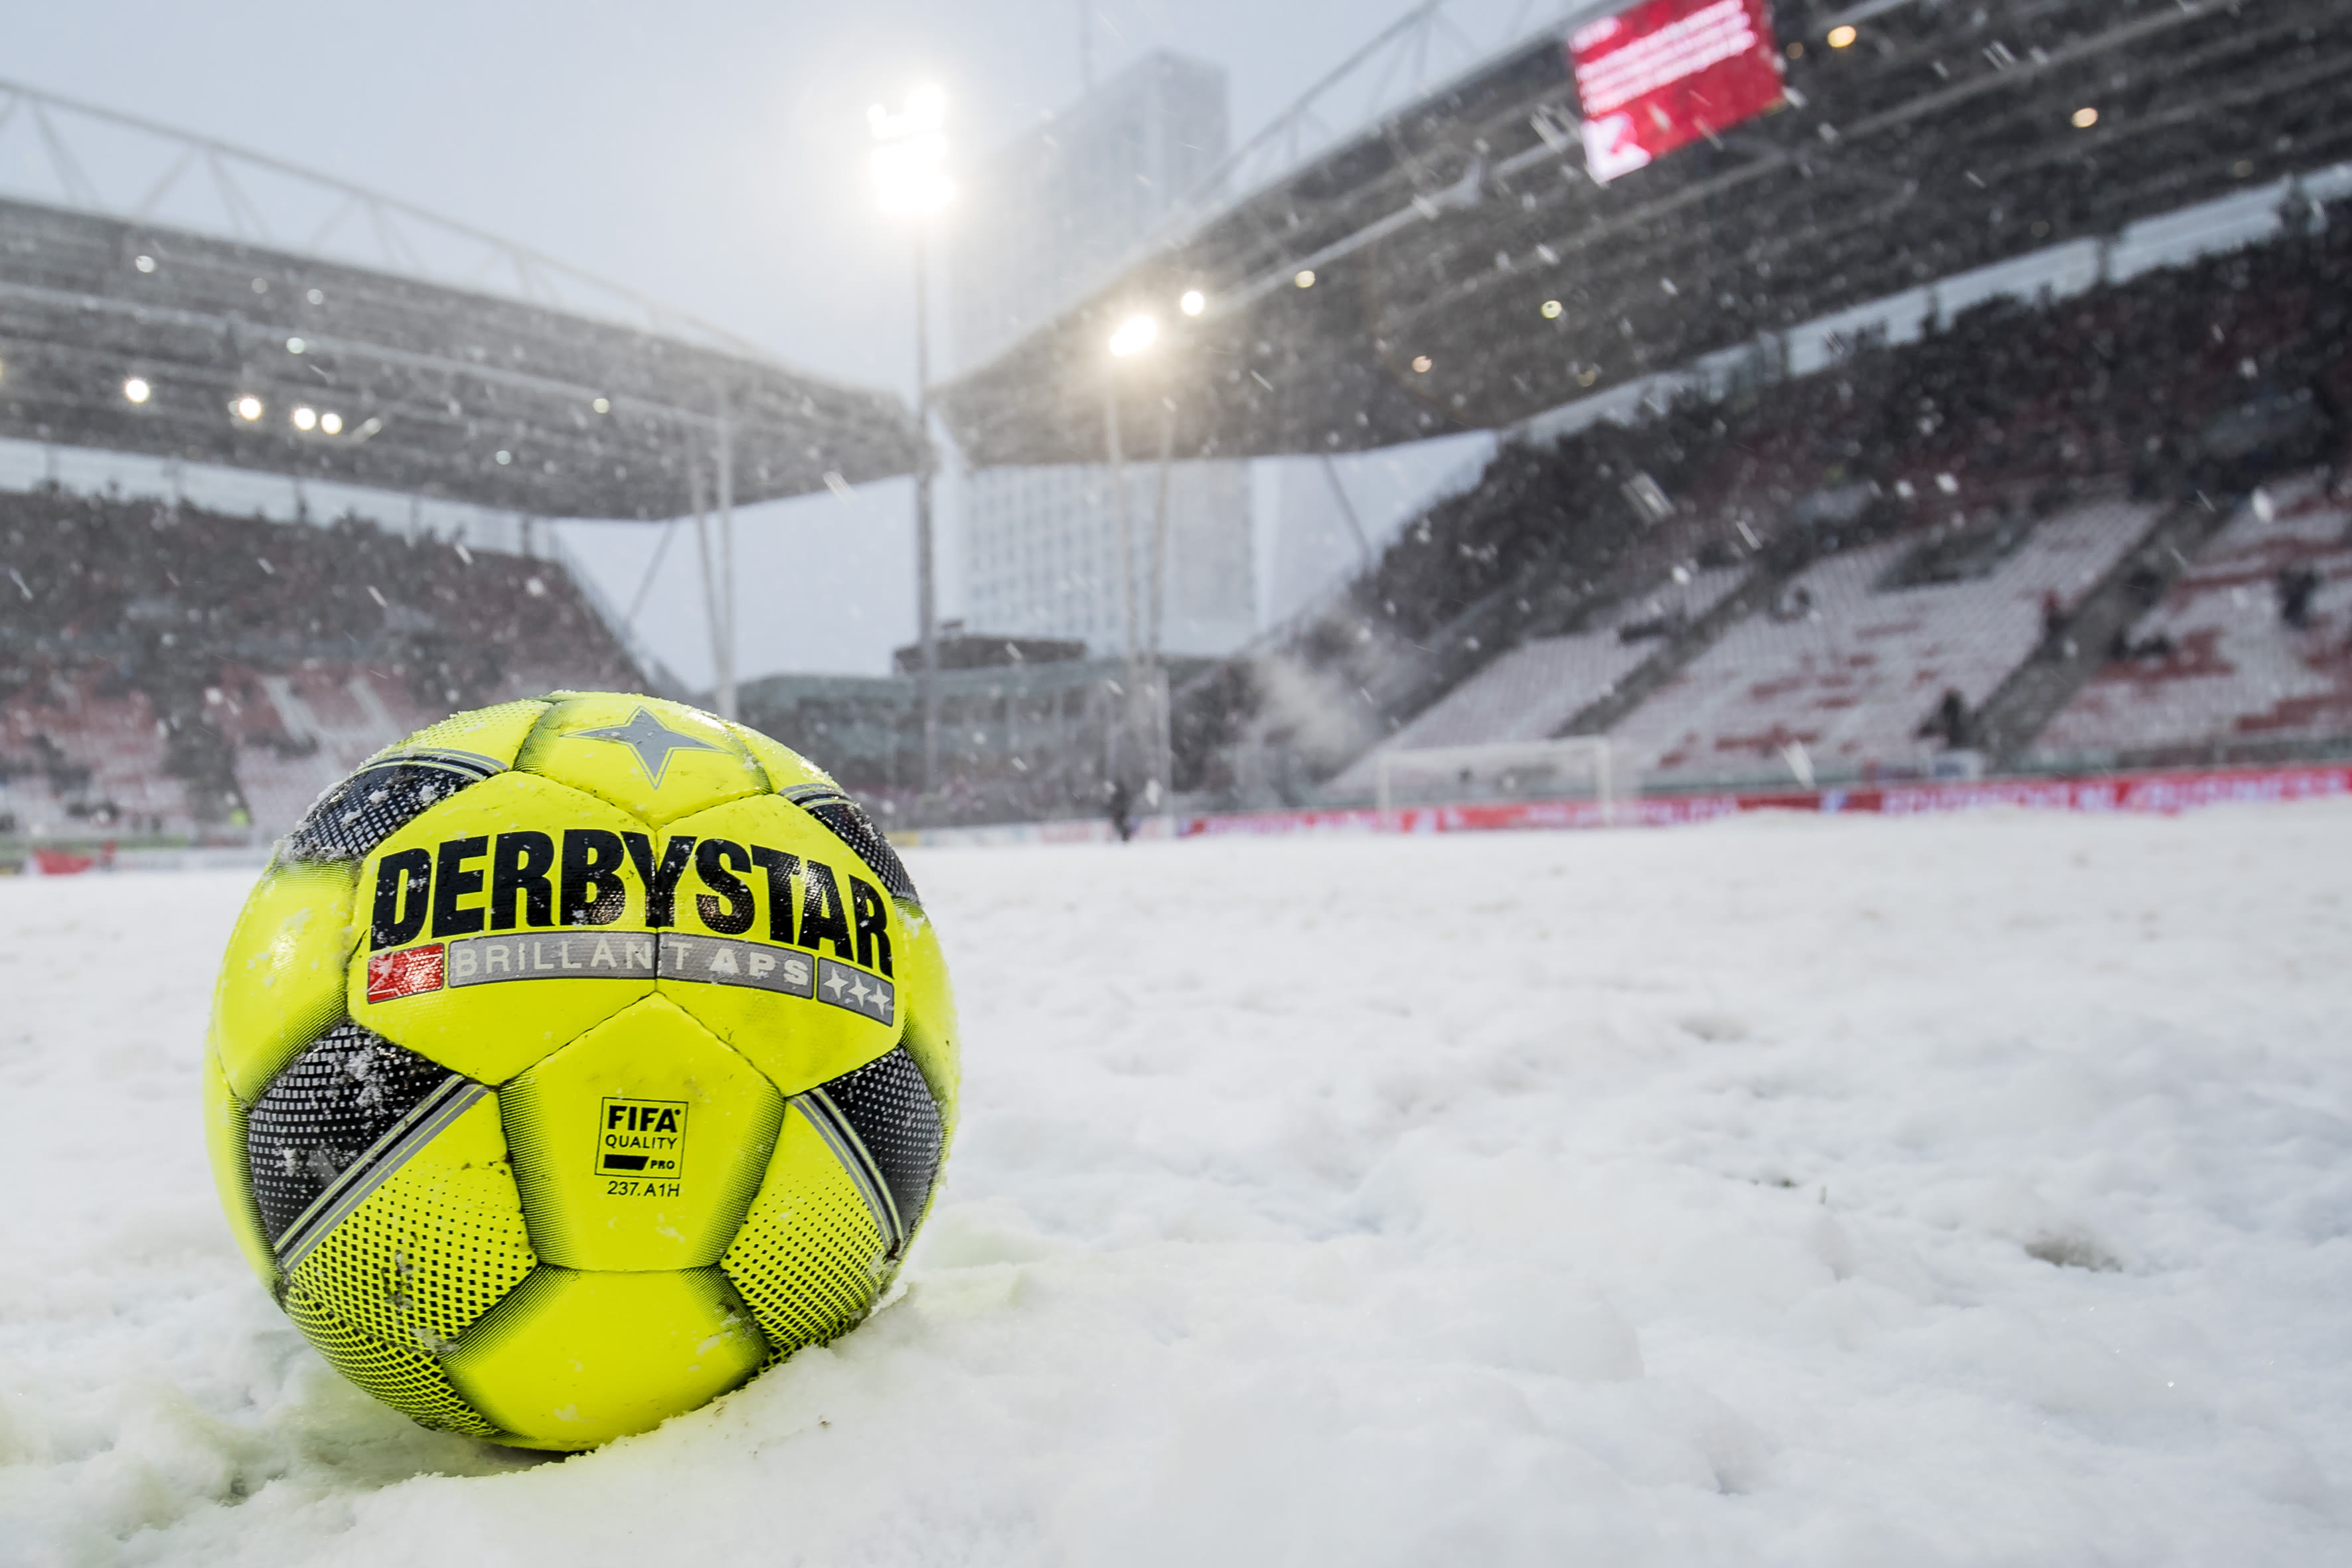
2160	793
1664	72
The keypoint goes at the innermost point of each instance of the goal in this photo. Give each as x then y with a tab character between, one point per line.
1592	764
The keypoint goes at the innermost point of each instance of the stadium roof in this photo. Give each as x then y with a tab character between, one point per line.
1942	139
551	400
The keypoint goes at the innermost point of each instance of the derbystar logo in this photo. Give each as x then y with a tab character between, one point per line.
552	896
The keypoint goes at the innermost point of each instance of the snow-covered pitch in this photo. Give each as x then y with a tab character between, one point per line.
1805	1191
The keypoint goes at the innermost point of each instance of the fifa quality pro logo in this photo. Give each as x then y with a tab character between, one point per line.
641	1147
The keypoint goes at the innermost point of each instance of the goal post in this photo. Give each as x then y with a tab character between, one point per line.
1509	768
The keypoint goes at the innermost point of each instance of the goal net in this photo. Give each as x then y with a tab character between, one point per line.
1590	765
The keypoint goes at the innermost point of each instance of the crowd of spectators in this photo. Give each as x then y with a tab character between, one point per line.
2202	378
173	609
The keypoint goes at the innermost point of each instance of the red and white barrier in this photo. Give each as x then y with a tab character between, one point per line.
2163	793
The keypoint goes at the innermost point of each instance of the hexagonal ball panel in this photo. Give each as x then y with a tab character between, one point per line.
657	760
784	943
502	923
571	1360
639	1145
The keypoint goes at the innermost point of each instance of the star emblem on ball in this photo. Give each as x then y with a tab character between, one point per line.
651	740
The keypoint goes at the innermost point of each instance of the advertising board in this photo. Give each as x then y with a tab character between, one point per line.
1663	73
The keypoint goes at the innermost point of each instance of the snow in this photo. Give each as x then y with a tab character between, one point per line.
1814	1191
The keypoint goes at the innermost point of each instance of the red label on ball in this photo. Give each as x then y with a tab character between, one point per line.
411	971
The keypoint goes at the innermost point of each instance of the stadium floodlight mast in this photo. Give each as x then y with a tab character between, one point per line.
1136	336
1131	338
910	178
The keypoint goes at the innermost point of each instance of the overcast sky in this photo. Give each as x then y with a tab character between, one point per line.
709	153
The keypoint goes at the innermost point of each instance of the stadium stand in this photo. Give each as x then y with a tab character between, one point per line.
2249	655
1939	145
436	391
84	747
164	669
2051	434
296	733
1535	691
1858	653
170	669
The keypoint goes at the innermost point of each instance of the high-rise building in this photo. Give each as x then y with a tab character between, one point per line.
1045	220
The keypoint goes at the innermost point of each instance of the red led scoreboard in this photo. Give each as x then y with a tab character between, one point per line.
1664	72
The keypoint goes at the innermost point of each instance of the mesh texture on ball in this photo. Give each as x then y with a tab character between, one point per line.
330	1106
854	827
434	1247
891	1108
407	1378
376	801
810	1257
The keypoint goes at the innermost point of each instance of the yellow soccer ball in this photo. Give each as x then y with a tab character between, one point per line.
574	1060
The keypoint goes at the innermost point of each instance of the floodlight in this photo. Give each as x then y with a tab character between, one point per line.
926	111
145	264
1135	334
331	423
1193	302
2086	117
1841	36
249	408
1421	364
296	346
910	154
1306	279
908	176
1551	309
136	389
505	458
602	405
315	297
306	420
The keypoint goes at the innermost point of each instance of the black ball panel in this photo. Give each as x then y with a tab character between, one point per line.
369	807
330	1105
891	1108
854	827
